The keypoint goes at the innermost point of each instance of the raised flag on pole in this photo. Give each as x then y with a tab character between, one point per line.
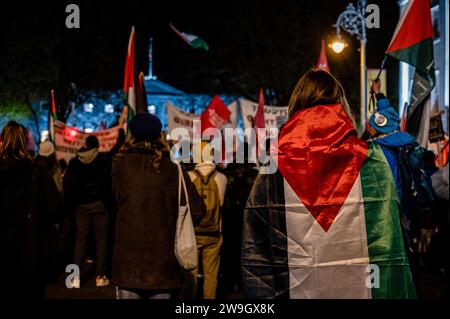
191	39
215	115
413	43
129	83
322	62
52	117
259	122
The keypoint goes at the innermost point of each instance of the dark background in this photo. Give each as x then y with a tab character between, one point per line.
252	44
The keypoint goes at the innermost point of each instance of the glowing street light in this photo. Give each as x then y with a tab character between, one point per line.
338	45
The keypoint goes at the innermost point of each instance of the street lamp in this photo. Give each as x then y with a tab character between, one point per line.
352	20
338	45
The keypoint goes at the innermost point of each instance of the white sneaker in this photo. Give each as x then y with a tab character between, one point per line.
101	281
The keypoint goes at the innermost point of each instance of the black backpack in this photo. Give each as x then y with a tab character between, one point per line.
417	196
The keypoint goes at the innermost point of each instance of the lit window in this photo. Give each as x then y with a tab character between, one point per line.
109	108
88	107
44	135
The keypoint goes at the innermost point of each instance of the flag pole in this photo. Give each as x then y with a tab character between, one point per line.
372	94
381	67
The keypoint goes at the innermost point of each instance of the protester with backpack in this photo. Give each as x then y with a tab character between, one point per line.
211	185
404	156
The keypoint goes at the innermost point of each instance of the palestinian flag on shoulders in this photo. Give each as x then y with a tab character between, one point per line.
191	39
326	224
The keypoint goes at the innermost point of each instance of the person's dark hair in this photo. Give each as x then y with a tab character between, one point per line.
156	148
91	142
317	87
49	162
14	141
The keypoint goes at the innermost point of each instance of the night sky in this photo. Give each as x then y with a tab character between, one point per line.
252	44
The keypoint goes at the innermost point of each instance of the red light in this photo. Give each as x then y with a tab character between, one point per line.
73	133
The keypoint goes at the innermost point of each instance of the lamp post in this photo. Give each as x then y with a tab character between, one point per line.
352	20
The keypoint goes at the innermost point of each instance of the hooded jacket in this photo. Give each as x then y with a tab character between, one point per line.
87	178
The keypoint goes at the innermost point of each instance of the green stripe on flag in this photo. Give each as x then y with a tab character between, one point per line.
384	235
420	55
199	43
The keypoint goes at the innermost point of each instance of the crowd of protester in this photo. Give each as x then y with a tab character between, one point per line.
119	209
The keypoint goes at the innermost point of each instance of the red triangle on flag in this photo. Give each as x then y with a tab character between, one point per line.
320	157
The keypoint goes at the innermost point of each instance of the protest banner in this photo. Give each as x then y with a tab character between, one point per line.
68	140
274	116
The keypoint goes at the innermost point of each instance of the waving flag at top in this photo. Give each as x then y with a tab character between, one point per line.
191	39
413	43
129	83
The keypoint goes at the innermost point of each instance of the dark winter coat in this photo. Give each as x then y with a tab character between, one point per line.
147	210
87	178
26	220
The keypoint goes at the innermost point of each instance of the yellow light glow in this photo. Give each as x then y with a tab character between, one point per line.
338	46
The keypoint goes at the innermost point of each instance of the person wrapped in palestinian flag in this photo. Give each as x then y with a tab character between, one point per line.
326	224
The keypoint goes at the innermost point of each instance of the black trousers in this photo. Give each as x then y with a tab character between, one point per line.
97	215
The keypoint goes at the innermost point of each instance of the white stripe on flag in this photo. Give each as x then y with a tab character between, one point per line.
327	264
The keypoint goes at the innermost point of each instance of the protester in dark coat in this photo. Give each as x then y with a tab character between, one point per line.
145	186
30	205
87	187
240	181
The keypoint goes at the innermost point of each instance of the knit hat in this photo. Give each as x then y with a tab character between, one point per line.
145	127
385	119
46	149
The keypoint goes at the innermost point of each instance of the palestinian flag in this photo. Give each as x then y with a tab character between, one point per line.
327	222
413	43
52	116
129	85
193	40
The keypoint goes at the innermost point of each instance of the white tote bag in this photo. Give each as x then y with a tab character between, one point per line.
185	244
